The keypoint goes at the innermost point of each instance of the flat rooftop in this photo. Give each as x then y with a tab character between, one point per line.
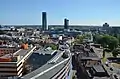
43	51
40	57
98	51
90	58
101	78
92	55
22	52
6	56
98	68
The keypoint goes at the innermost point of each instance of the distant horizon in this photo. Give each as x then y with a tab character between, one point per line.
69	24
56	24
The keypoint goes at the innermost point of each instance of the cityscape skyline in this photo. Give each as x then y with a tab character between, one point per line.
59	39
79	12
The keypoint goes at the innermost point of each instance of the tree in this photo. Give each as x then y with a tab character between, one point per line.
116	52
54	46
107	41
79	39
113	43
97	38
2	32
118	37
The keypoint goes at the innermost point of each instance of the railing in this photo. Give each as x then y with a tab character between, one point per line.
56	58
62	70
36	76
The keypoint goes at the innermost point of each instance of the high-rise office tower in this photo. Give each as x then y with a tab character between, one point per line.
44	21
66	23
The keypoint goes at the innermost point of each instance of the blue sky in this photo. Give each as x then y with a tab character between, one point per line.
84	12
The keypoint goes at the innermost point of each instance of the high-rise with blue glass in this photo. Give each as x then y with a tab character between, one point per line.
66	23
44	21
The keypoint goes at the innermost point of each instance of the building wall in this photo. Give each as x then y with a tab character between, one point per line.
4	51
8	69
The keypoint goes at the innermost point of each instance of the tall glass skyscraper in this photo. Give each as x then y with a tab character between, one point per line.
44	21
66	23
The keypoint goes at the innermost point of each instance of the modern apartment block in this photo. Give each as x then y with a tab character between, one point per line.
12	63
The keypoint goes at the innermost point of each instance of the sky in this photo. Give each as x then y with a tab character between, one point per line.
79	12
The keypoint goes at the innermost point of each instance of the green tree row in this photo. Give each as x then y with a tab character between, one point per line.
109	43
